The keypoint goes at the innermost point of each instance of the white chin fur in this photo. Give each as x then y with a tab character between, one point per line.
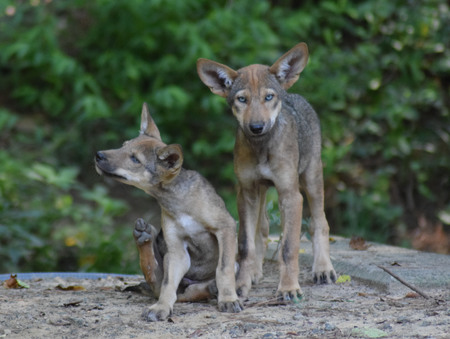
99	171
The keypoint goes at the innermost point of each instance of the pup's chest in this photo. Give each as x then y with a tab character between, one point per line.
251	172
264	171
188	225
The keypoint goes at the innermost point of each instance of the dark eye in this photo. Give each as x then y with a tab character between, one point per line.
135	160
269	97
242	99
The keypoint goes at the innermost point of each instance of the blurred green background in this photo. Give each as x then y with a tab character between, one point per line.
74	75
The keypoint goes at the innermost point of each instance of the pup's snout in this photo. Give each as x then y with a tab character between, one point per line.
100	156
256	128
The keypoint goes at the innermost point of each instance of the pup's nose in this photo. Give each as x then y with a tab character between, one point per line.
256	128
100	156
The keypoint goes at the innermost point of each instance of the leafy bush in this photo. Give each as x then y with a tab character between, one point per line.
75	74
51	222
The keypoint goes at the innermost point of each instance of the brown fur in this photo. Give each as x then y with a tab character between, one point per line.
197	245
278	143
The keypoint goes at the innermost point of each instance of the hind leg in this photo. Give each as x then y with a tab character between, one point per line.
198	291
150	258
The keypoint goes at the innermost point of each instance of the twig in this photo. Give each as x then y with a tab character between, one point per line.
270	302
404	282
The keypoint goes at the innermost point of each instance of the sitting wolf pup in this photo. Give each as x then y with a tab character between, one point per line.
198	240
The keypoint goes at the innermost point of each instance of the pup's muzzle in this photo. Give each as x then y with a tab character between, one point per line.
257	128
100	156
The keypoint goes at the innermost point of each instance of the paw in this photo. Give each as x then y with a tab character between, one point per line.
143	232
156	313
257	276
243	285
324	273
294	295
231	306
212	288
324	277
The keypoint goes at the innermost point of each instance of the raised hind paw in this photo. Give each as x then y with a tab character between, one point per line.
143	232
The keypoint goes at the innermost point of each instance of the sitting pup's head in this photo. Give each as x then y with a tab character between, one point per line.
145	161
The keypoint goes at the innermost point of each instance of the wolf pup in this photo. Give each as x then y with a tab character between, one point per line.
278	143
198	239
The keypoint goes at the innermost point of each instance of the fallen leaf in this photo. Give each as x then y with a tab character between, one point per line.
395	264
70	288
412	295
343	278
301	250
13	282
362	294
358	243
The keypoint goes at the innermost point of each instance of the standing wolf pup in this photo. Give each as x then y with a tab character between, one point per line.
198	239
278	143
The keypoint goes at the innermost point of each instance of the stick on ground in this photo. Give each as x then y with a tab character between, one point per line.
404	282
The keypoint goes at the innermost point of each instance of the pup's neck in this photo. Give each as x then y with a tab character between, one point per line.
170	193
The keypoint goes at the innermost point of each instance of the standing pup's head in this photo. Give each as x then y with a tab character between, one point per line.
255	92
144	161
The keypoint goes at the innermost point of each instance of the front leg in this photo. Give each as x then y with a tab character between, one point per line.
176	264
323	271
248	209
228	300
291	204
261	236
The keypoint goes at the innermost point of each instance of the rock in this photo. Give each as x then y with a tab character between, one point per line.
329	327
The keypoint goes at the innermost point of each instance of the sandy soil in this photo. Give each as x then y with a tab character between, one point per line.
103	310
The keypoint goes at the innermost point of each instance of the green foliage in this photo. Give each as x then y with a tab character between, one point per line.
75	74
50	222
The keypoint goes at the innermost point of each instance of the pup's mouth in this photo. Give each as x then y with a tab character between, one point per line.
259	136
101	171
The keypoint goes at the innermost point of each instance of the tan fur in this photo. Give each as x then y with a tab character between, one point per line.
197	246
278	143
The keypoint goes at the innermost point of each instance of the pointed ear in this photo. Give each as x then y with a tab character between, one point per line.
171	157
148	126
217	77
287	68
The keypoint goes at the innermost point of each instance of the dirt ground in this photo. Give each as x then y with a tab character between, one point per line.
104	310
